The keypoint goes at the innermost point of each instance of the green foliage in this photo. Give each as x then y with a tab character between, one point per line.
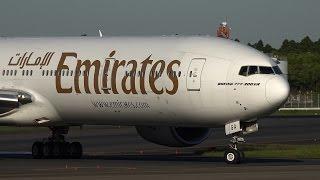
304	70
288	46
303	61
261	47
268	49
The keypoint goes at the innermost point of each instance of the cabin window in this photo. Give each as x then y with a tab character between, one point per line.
31	71
179	73
11	73
15	72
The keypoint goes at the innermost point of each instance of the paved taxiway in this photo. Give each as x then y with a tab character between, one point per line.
119	153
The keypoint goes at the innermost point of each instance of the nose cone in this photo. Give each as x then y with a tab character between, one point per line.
277	91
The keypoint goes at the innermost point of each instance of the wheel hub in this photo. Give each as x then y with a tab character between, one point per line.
230	157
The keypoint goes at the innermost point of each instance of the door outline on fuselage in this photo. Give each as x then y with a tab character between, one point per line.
194	74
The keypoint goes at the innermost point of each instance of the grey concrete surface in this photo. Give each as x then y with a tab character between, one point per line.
119	153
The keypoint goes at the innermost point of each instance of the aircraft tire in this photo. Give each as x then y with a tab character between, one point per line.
37	150
232	156
75	150
48	149
57	149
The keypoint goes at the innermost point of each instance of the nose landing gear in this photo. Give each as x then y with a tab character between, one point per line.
233	155
56	147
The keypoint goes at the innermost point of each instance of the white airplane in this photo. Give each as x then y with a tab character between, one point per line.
174	90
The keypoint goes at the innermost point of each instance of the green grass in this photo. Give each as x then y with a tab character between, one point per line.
296	113
274	151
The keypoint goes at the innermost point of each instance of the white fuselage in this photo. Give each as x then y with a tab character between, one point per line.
164	81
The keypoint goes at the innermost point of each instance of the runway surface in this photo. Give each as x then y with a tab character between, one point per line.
119	153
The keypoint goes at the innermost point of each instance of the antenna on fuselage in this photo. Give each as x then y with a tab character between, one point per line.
100	33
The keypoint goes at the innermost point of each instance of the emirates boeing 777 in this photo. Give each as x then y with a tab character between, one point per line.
174	90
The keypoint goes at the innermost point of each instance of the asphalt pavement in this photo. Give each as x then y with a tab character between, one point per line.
119	153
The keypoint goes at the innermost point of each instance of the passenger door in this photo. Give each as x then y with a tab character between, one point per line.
194	74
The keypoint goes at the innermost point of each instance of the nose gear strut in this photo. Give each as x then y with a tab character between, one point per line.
233	155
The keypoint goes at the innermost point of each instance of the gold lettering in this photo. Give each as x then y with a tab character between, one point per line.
154	76
60	67
105	73
143	72
87	64
105	77
115	67
172	77
132	76
156	71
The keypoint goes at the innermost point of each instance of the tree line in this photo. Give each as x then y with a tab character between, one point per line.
303	62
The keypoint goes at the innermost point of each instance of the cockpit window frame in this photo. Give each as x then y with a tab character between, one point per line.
243	73
267	67
277	70
258	71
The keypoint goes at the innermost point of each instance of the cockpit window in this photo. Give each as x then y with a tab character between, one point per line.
265	70
277	70
243	71
250	70
253	70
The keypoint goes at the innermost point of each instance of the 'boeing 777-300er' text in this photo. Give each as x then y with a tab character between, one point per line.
174	90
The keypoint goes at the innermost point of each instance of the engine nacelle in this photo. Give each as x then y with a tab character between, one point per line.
174	136
11	99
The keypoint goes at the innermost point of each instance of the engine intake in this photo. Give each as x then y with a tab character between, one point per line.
10	99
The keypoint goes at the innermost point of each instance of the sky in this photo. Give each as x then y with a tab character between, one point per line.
251	20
